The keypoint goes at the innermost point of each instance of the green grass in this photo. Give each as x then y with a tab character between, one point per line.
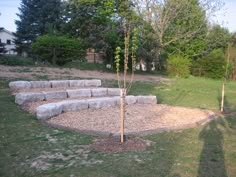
192	92
207	151
15	61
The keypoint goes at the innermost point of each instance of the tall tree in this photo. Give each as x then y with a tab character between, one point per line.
95	22
176	22
36	17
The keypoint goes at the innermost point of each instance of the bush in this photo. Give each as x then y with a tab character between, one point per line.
178	65
15	61
211	66
58	49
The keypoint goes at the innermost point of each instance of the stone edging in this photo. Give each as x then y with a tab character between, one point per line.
49	110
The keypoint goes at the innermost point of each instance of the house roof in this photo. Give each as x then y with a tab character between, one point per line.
6	31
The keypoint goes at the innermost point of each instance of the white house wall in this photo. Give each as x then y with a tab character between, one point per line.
4	36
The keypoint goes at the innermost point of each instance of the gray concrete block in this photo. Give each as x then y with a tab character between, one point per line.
76	83
22	98
92	83
102	102
59	83
79	93
130	99
113	92
99	92
51	95
47	111
74	105
40	84
16	85
146	99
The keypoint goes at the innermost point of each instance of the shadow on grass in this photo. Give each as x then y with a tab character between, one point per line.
212	162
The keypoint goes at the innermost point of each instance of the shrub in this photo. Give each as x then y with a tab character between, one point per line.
58	49
15	61
211	66
178	65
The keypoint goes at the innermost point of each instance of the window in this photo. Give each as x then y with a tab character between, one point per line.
0	41
8	41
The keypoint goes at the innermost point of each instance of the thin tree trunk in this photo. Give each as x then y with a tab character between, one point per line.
122	114
222	97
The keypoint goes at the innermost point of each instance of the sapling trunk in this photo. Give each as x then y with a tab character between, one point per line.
223	83
125	87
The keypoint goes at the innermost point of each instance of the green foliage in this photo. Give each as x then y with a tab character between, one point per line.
35	18
212	65
15	61
58	49
178	65
117	59
189	28
218	37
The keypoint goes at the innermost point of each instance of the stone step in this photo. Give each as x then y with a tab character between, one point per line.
49	110
17	85
26	97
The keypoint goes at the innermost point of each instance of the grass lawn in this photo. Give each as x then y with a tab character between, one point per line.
27	148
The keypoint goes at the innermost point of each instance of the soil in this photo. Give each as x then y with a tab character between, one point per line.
32	73
112	145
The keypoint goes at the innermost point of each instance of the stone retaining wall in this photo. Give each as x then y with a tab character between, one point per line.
47	111
22	98
17	85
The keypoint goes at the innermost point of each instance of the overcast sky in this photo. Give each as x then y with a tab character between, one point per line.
8	9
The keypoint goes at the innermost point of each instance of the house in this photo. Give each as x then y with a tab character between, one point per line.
94	57
7	38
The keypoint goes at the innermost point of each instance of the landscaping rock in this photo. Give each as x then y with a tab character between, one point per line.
113	92
47	111
103	102
92	83
76	83
74	105
99	92
146	99
51	95
22	98
130	99
40	84
16	85
59	83
79	93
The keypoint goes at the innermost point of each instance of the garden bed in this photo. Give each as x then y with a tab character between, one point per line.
140	119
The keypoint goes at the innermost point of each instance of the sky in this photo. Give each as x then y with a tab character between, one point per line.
8	9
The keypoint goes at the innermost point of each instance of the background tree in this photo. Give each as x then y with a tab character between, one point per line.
96	23
35	18
177	22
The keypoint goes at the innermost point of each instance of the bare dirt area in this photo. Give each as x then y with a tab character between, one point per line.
140	119
33	73
112	144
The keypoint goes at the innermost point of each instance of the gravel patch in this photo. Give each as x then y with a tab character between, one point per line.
139	119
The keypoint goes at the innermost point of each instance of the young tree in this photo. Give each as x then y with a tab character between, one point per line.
130	48
35	19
